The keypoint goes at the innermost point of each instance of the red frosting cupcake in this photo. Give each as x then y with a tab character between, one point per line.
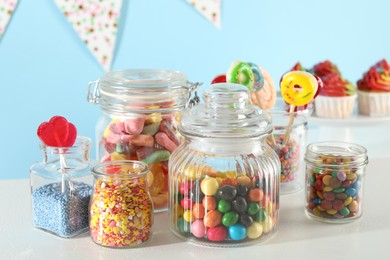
337	97
374	90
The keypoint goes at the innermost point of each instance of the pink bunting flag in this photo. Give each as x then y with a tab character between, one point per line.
96	23
7	8
211	9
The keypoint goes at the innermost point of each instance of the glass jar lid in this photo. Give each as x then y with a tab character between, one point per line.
140	91
226	113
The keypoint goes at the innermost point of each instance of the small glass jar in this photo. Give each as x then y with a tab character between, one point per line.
334	181
291	151
121	209
141	110
61	187
224	179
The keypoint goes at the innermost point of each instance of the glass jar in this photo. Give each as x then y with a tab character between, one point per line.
139	121
334	181
291	151
61	187
224	179
121	210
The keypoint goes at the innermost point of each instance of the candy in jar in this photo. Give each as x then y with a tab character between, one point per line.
121	210
334	181
224	179
61	185
141	110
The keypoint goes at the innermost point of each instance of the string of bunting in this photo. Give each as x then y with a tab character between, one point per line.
96	22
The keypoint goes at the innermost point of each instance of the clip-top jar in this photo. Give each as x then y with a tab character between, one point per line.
334	181
224	179
139	122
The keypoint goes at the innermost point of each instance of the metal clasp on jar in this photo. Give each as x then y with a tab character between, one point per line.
93	92
193	87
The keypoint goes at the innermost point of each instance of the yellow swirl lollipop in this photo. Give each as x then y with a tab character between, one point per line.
298	87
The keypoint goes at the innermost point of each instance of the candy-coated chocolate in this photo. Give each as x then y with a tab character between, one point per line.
187	215
198	228
230	218
186	203
239	204
245	220
198	210
224	206
243	179
261	216
350	192
237	232
255	195
242	190
255	230
209	186
183	226
212	218
218	233
209	203
227	192
253	208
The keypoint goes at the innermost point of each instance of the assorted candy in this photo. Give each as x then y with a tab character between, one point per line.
256	79
334	188
150	139
224	207
64	214
120	210
59	200
289	156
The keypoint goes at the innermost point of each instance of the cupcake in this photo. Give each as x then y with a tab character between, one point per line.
374	90
337	97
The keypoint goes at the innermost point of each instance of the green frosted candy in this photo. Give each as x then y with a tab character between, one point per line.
157	156
345	211
224	206
338	190
151	129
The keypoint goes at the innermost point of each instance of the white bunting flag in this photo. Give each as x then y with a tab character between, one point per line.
7	8
211	9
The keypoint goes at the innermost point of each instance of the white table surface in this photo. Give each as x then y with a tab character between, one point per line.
297	237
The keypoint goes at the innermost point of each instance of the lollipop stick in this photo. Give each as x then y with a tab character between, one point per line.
64	174
289	125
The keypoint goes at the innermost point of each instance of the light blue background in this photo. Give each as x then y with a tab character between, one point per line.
45	68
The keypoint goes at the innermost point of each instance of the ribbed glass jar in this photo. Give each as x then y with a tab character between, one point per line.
141	110
224	179
334	181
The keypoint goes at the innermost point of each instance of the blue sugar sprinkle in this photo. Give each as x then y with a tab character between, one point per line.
64	214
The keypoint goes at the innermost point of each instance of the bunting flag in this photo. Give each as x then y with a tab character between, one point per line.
7	8
96	22
211	9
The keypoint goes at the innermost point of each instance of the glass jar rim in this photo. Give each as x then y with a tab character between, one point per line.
82	143
140	91
356	154
97	169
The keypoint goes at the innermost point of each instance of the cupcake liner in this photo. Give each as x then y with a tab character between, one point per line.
334	107
374	104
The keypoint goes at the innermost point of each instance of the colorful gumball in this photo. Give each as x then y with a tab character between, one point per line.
298	88
241	73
